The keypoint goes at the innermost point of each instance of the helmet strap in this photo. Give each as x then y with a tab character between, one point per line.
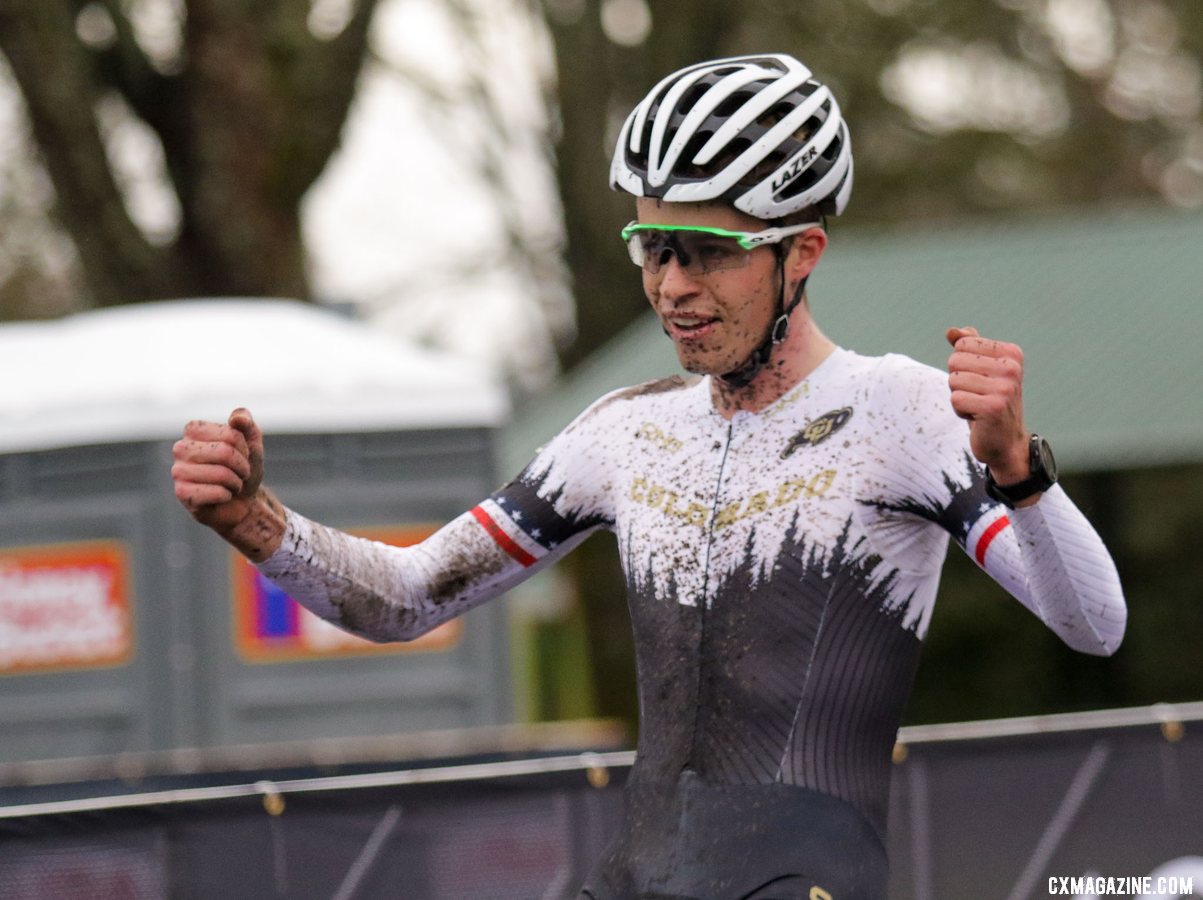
742	375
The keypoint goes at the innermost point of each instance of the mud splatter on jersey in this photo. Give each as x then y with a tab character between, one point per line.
781	566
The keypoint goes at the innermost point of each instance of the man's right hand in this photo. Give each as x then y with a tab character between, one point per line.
218	475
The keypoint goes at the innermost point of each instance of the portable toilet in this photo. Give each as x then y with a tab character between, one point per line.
127	627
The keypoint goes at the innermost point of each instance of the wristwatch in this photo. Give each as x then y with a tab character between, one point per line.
1042	475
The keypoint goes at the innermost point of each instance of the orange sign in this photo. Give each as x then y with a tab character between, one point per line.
270	626
64	606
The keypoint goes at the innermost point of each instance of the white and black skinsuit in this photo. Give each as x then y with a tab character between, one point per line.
781	569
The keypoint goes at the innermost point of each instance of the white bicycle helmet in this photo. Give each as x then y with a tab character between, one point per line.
757	132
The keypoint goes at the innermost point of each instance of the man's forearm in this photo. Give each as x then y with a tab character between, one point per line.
387	593
1072	580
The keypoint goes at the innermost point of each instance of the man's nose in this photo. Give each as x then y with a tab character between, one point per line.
674	280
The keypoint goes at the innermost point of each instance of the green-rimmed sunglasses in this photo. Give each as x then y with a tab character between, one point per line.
698	249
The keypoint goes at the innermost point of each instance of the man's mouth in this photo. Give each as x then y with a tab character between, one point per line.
689	326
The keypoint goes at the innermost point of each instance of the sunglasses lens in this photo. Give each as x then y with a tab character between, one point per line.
639	247
698	252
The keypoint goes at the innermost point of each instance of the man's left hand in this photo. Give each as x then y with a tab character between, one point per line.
986	379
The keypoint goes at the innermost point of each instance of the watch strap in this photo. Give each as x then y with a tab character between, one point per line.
1039	479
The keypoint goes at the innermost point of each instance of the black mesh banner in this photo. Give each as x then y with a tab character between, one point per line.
1075	813
992	811
513	837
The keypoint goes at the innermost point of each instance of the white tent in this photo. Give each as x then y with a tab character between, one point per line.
140	372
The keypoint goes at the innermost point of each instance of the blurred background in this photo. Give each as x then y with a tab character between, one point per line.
434	173
438	168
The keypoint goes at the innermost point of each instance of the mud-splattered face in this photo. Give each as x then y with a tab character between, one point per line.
715	319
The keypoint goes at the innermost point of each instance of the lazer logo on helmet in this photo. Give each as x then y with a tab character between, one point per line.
797	167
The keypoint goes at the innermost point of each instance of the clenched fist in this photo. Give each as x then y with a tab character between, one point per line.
218	475
986	380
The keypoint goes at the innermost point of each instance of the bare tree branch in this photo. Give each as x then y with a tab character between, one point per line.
247	122
323	76
57	80
475	100
126	68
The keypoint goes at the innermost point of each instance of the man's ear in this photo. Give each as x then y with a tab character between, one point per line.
804	252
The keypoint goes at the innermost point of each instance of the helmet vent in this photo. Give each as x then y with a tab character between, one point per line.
694	147
730	153
774	115
669	134
691	98
797	186
732	104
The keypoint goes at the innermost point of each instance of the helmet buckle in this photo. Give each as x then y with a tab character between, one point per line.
780	327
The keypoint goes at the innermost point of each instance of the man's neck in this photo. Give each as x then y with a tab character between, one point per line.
803	350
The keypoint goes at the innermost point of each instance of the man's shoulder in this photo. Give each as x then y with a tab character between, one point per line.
902	389
613	408
893	369
648	392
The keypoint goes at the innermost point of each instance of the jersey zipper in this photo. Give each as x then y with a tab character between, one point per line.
705	604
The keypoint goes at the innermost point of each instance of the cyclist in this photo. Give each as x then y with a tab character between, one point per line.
782	514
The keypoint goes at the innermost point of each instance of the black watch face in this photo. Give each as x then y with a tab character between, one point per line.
1046	460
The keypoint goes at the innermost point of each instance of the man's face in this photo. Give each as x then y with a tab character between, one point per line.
716	318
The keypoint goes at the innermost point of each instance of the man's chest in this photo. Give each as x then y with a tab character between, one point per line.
701	496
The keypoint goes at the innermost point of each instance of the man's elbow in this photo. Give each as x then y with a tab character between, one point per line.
1100	647
1104	636
398	626
401	632
413	631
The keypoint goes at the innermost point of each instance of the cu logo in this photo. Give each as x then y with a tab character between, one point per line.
818	430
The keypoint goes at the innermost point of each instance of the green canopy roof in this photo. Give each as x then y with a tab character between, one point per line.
1108	307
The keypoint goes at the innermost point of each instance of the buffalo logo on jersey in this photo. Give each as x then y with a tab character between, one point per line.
818	430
